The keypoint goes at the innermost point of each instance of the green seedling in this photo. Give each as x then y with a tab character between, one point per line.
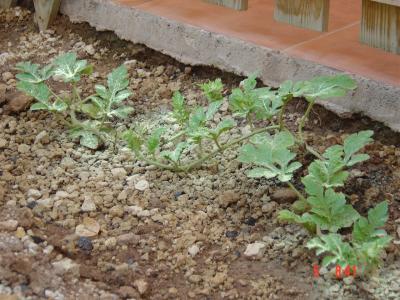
86	118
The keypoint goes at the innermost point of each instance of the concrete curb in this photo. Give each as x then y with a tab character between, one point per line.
196	46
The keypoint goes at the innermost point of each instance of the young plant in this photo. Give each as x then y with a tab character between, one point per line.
87	118
199	135
202	137
327	212
326	209
365	247
252	103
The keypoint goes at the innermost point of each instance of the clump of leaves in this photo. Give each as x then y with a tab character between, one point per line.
197	128
328	209
271	155
213	90
88	119
365	247
198	131
248	101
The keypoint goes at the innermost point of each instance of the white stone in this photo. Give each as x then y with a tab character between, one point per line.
84	176
193	250
134	209
141	286
4	57
118	173
34	194
3	143
131	180
88	205
48	202
62	195
23	148
89	49
123	195
144	214
42	137
255	249
131	63
7	76
65	266
67	162
142	185
48	249
9	225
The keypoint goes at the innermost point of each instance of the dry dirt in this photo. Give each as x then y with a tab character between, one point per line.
180	237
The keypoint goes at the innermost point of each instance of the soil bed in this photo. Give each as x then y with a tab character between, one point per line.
183	236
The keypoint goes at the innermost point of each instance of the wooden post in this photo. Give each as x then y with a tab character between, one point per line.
7	3
380	24
45	12
235	4
310	14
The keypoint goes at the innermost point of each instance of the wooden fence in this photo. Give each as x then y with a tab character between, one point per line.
380	19
45	10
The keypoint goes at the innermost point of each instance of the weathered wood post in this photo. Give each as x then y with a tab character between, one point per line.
235	4
7	3
310	14
45	12
380	24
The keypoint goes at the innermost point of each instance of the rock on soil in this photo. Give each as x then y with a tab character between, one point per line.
9	225
142	185
89	228
141	285
88	205
66	266
255	250
228	198
17	102
285	195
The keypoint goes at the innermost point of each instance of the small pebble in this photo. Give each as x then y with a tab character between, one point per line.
85	244
231	234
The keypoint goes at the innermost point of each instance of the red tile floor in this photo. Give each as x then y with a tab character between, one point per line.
338	48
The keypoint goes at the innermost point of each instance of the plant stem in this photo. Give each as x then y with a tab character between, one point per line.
303	121
300	132
178	135
86	99
249	119
293	188
54	94
217	143
282	112
157	163
226	146
75	91
314	152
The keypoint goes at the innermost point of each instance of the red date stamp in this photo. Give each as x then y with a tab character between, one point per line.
340	272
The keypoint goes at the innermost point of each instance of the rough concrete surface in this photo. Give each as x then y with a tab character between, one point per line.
196	46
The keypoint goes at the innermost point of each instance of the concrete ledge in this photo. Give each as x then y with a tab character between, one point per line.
196	46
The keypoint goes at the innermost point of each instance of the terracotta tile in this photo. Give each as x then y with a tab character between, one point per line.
338	48
255	25
343	51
